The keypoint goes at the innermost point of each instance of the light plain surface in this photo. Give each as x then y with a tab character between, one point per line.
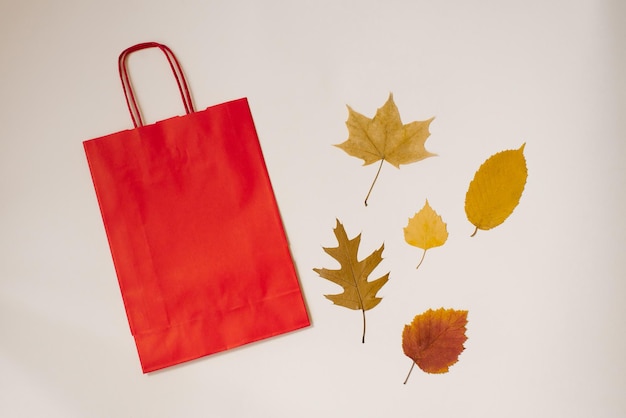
545	291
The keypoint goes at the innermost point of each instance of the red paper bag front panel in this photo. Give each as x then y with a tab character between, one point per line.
196	237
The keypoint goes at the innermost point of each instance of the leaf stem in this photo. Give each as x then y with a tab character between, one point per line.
382	160
474	233
363	339
407	376
421	260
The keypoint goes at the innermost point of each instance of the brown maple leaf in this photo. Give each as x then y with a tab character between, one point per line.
434	340
358	292
385	138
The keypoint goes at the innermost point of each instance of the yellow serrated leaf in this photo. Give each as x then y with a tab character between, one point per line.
496	189
426	230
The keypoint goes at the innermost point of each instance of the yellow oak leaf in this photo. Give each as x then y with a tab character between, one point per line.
434	339
426	230
385	138
496	189
358	293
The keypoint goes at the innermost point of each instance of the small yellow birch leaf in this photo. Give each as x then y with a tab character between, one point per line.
426	230
496	189
385	138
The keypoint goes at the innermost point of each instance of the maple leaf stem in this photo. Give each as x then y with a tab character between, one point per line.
363	339
410	370
421	260
382	160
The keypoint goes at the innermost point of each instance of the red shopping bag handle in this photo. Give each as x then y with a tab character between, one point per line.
131	101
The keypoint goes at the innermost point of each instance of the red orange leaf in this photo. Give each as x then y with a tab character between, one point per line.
434	340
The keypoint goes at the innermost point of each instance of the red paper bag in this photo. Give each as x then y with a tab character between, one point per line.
197	241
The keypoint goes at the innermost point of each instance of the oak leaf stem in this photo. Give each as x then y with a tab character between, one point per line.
363	339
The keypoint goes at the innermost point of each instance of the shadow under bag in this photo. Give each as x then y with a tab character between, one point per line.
196	237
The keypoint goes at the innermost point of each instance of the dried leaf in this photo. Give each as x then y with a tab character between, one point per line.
434	340
426	230
385	138
358	293
496	189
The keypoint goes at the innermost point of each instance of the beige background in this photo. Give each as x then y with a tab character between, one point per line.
545	291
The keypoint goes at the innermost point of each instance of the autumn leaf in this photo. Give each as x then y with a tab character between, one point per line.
426	230
358	293
385	138
434	340
496	189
